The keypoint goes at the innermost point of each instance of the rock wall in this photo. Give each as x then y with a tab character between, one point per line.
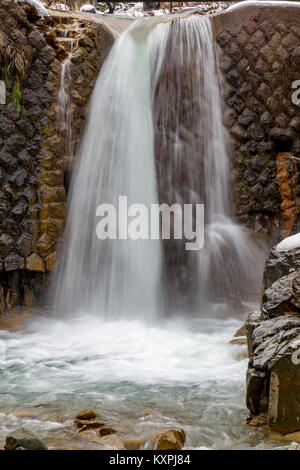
273	376
260	59
34	162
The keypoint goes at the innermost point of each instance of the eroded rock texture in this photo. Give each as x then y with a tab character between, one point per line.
259	59
34	162
273	376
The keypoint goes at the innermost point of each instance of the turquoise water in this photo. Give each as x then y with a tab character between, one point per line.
182	372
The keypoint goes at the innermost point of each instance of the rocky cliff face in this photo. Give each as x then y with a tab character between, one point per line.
259	58
273	377
34	162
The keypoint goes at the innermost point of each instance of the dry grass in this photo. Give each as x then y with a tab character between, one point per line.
16	59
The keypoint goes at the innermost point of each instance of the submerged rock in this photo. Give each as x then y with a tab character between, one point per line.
24	443
87	415
172	439
107	431
83	424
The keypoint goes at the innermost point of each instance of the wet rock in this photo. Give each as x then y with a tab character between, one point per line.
241	332
254	318
87	415
27	443
172	439
273	377
84	424
240	341
79	55
107	431
85	41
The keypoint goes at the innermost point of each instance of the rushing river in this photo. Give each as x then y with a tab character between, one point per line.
183	372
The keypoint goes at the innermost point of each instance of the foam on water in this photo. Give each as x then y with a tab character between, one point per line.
184	372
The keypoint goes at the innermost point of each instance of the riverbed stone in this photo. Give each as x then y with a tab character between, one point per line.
171	439
26	443
87	415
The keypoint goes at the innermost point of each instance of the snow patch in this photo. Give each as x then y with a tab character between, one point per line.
59	6
264	3
38	6
88	8
289	243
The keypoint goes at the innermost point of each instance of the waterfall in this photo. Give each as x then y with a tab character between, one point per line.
158	97
64	117
114	278
193	166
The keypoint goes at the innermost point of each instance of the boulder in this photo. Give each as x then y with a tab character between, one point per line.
107	431
281	279
84	424
24	443
172	439
273	376
87	415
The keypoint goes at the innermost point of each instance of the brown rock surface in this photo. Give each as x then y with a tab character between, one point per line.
172	439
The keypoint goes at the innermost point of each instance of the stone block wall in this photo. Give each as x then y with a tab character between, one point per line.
34	161
260	59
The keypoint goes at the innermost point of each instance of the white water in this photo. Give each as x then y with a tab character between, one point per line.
114	278
64	118
184	372
196	167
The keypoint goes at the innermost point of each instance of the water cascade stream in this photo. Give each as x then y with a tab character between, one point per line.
114	278
157	101
193	167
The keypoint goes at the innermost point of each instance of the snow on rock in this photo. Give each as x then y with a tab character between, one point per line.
289	243
59	6
264	3
88	8
38	6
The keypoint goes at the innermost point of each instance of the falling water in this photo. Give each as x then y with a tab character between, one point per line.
163	74
157	97
193	166
64	106
114	278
